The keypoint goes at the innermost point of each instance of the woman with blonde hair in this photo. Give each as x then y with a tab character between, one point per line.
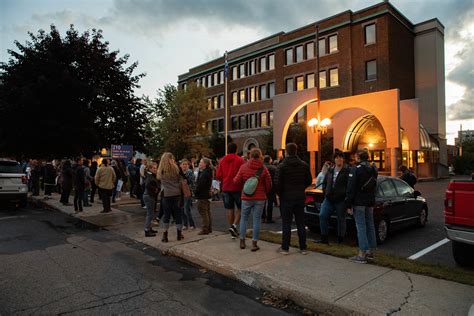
169	175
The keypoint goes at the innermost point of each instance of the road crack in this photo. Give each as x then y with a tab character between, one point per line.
406	298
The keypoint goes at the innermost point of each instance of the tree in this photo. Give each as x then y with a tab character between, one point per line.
465	163
62	96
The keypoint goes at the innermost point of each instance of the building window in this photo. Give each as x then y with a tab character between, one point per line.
197	82
309	81
289	85
215	100
289	56
263	92
252	94
299	83
209	104
235	123
370	36
270	118
234	73
221	125
263	64
252	121
203	80
234	98
299	54
333	77
242	122
263	119
271	90
322	79
242	96
252	67
221	101
221	76
216	78
209	81
322	47
371	70
310	50
241	70
271	62
215	125
332	44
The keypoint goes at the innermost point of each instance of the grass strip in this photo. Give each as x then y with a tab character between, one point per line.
383	259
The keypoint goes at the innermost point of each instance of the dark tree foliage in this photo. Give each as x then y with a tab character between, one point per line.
63	96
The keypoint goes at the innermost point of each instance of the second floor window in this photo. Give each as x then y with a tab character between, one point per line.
234	98
263	92
299	83
252	94
221	101
333	77
289	85
263	119
322	79
310	81
289	56
242	96
371	70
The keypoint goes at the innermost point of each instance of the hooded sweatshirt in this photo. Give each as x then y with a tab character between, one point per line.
250	169
227	170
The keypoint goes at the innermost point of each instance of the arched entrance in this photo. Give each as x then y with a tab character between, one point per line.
249	144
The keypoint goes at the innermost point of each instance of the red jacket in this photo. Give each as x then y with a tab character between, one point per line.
264	182
228	168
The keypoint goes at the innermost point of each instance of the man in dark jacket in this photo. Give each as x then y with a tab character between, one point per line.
360	201
49	178
79	185
408	176
66	181
267	214
292	178
203	194
334	187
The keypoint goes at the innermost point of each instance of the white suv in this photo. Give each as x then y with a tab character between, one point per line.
13	182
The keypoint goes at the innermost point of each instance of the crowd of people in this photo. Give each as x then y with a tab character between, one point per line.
250	187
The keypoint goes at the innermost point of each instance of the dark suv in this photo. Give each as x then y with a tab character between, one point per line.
396	205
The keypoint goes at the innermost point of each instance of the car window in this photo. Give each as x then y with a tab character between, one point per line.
10	167
387	188
403	188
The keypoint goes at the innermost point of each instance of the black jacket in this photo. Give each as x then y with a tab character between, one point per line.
292	178
409	178
66	176
152	185
203	184
358	176
49	174
336	192
79	178
272	170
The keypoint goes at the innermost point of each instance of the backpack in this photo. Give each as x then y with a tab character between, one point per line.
250	185
369	182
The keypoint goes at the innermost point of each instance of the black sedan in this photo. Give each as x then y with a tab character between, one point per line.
397	205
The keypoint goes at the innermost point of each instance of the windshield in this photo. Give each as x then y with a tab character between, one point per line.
10	167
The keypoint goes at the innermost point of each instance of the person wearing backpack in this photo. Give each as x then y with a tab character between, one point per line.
360	201
256	181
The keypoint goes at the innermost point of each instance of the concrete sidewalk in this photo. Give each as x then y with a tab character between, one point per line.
322	283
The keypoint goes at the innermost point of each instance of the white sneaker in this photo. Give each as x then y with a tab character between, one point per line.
144	207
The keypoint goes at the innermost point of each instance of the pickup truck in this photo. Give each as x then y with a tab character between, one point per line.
459	220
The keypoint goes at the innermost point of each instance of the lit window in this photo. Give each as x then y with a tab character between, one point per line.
242	96
322	79
242	122
332	44
370	36
271	62
310	81
289	56
198	82
263	92
333	77
234	98
271	90
252	68
322	47
209	126
309	50
299	83
234	73
216	79
215	101
371	70
252	94
242	70
270	118
289	85
209	104
263	64
263	119
221	101
299	54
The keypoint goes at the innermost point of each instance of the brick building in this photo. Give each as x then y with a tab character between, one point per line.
372	55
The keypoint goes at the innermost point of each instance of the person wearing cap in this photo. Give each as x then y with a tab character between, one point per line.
334	187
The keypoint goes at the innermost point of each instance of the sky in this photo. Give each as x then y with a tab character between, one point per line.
167	37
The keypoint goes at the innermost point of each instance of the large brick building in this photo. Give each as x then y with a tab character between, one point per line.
369	53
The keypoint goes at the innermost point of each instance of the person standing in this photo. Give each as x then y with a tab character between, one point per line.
36	177
408	176
360	201
169	175
203	194
66	182
267	214
142	173
187	201
152	188
293	176
87	183
79	185
228	168
132	173
253	202
49	176
334	188
93	171
105	180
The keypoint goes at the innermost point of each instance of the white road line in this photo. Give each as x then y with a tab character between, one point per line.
293	230
429	249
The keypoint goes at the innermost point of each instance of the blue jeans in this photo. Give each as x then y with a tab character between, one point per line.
186	213
150	210
364	218
256	208
327	208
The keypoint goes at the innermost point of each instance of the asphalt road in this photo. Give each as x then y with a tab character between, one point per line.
404	243
51	263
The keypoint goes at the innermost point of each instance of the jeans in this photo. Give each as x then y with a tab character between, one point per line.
256	208
268	208
78	198
105	195
364	218
327	209
186	213
288	208
150	210
171	208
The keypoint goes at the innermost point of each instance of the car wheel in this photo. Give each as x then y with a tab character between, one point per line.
423	218
463	254
381	230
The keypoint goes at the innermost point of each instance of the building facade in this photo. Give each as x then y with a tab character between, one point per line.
372	55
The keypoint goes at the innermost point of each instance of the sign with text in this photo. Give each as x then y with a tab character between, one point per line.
124	152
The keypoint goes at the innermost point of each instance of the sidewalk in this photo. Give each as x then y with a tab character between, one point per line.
322	283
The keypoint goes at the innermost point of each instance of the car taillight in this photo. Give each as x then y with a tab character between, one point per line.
309	199
24	180
449	200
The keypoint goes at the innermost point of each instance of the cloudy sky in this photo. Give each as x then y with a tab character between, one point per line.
167	37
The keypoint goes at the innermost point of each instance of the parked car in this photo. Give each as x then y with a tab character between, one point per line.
13	183
397	205
459	220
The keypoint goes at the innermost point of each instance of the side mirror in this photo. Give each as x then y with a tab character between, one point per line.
416	193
